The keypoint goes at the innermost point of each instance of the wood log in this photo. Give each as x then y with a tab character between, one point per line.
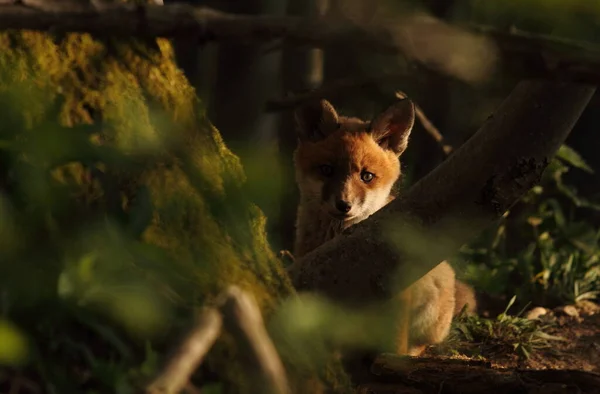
393	374
452	204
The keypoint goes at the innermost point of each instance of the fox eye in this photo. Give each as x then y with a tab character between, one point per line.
367	176
326	169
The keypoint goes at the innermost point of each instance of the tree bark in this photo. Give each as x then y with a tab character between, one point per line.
453	203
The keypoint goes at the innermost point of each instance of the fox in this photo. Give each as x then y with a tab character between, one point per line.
345	170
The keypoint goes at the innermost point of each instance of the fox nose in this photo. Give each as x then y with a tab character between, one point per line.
343	206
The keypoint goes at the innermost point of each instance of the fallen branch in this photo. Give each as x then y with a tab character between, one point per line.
435	376
243	319
188	355
453	203
239	314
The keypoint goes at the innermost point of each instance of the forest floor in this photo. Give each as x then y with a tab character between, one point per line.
544	351
578	326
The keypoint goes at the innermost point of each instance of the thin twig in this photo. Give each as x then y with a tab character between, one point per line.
428	126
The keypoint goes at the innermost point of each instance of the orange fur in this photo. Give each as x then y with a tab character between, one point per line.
354	151
349	148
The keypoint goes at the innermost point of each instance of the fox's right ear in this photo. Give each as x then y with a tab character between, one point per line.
316	120
392	127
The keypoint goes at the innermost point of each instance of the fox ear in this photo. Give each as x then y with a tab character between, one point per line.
392	127
316	120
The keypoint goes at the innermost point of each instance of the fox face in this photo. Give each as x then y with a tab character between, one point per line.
348	166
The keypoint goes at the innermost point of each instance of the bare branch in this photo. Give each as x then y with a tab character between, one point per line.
188	356
460	198
243	319
240	315
428	126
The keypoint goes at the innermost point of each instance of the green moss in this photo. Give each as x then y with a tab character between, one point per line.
198	215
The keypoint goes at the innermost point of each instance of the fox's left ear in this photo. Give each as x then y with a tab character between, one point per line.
392	127
316	120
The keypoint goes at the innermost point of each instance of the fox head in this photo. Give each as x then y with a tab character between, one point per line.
348	166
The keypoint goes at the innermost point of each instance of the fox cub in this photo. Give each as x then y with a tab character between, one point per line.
345	170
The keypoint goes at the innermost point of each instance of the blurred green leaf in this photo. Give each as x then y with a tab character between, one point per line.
212	388
150	364
13	345
573	158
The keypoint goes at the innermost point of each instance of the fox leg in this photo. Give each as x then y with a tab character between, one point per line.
404	343
416	351
433	308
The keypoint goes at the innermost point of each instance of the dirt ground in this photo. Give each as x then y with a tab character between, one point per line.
578	325
492	366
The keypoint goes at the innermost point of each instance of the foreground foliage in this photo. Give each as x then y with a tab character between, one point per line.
545	250
502	335
121	210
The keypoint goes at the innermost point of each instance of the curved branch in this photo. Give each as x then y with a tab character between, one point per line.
459	199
